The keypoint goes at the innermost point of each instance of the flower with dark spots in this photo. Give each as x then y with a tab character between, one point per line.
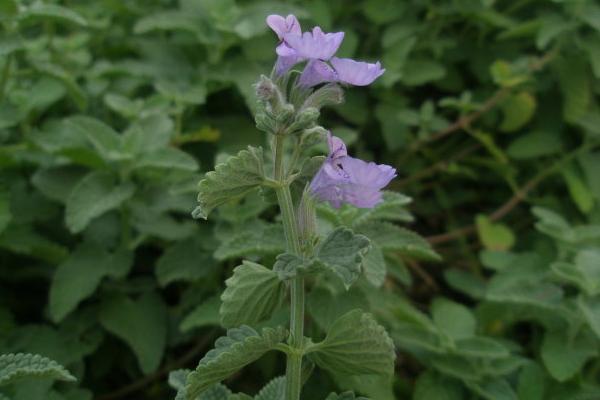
344	179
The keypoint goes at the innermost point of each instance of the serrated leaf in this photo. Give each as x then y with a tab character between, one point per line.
374	266
357	345
390	237
251	295
141	323
94	195
274	390
234	178
517	110
217	391
564	356
14	367
342	252
239	348
80	274
42	11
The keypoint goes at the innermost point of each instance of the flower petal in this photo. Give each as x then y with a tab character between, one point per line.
315	44
337	147
356	73
316	72
281	25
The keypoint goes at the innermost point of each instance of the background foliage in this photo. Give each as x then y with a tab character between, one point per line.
110	111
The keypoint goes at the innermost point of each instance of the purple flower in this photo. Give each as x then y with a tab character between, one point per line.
282	27
345	179
315	45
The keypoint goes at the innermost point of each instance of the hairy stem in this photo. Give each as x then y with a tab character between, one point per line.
290	227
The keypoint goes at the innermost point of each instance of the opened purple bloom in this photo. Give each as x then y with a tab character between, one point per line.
345	179
318	48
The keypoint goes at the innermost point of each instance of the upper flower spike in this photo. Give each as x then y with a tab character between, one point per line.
316	44
282	26
344	179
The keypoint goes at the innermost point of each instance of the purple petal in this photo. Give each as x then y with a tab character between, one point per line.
356	73
284	63
337	147
316	72
315	44
281	25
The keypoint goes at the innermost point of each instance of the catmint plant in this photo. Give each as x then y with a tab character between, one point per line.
306	77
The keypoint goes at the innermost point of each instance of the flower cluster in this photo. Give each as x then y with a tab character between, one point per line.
318	49
341	178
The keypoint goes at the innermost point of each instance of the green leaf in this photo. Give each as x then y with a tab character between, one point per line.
564	356
535	144
40	11
579	191
141	323
357	345
390	237
239	348
105	140
251	295
418	72
167	158
325	306
76	92
344	396
186	260
392	208
575	85
342	252
94	195
14	367
431	385
261	239
532	383
234	178
495	236
481	347
590	308
517	110
80	274
5	215
274	390
57	182
453	319
10	43
150	134
374	266
22	239
205	314
493	389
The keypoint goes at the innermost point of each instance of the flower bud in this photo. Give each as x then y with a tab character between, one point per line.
306	118
312	136
264	122
307	219
330	94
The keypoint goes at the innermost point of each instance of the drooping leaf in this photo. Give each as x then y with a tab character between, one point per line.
234	178
79	275
14	367
94	195
251	295
357	345
240	347
141	323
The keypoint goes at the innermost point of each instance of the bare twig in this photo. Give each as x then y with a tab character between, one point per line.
422	273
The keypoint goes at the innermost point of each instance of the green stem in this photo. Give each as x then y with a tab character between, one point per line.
290	227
